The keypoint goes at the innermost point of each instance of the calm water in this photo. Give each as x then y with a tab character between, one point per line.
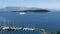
49	21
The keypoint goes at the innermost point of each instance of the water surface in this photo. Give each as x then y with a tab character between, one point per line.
49	21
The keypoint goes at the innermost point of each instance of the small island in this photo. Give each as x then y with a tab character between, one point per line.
35	11
42	10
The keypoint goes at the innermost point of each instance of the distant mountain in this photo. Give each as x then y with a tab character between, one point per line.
10	9
18	9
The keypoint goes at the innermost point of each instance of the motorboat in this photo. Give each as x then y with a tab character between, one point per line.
29	29
22	13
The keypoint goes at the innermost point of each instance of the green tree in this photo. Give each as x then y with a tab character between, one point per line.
58	32
52	32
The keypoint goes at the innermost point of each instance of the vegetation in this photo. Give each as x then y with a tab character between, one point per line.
58	32
52	33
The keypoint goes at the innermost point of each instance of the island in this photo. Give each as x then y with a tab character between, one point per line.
35	11
42	10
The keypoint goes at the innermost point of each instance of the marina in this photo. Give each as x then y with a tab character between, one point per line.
15	28
10	28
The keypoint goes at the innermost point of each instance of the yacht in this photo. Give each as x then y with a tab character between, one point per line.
22	13
29	29
9	28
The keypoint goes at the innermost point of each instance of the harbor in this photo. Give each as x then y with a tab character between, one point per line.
30	23
11	28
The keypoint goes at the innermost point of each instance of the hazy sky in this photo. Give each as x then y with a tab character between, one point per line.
51	4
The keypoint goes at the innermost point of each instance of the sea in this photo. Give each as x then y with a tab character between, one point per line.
50	21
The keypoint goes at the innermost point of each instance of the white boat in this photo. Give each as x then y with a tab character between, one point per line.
5	28
29	29
16	28
11	28
22	13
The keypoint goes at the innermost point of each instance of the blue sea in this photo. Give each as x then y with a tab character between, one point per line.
50	21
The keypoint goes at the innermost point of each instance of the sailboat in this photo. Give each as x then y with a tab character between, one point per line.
11	28
6	27
29	29
2	27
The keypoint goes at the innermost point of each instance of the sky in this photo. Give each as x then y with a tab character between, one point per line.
48	4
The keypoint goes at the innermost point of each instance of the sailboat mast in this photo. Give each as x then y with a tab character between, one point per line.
4	22
8	22
13	23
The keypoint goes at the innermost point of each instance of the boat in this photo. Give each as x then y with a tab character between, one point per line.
10	28
14	28
5	28
29	29
22	13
